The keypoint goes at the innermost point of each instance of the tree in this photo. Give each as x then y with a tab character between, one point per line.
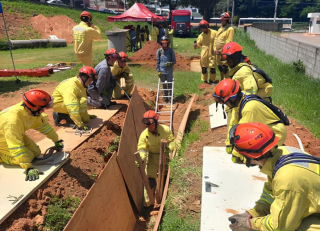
205	6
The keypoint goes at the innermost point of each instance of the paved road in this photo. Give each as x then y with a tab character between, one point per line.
313	40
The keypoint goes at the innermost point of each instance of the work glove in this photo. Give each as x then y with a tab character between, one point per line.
59	145
159	74
32	174
229	149
240	222
92	116
168	64
86	128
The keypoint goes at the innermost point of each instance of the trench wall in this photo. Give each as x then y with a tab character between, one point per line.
288	50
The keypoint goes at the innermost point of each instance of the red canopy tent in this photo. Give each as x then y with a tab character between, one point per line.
138	12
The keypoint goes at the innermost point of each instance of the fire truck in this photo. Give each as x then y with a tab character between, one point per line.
180	22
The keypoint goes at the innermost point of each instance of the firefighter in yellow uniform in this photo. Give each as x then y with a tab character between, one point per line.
205	41
83	35
16	148
128	39
154	33
70	99
149	146
229	92
170	33
121	72
225	35
290	198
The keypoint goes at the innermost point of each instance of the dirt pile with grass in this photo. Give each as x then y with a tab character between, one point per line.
17	27
148	54
58	25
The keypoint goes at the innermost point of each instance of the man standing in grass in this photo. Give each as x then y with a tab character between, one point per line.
170	33
205	41
225	34
83	35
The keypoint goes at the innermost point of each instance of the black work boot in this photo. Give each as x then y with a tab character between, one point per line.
57	117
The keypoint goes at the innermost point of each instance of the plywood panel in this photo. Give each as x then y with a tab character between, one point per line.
217	116
126	159
138	111
13	195
106	206
71	140
226	188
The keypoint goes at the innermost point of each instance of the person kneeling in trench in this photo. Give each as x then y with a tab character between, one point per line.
149	147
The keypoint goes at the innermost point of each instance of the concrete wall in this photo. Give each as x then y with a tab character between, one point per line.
268	26
288	50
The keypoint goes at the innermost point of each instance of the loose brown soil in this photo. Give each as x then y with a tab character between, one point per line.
148	55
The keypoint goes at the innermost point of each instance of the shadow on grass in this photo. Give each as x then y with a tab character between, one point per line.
11	85
180	99
193	116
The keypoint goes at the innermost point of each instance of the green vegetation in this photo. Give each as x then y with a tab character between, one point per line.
179	184
60	211
295	92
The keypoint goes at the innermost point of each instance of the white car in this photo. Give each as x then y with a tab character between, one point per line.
56	2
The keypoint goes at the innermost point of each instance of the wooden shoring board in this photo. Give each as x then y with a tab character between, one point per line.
14	187
217	116
106	206
71	140
128	146
164	197
183	124
227	188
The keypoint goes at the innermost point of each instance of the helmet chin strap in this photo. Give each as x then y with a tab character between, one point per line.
155	131
33	113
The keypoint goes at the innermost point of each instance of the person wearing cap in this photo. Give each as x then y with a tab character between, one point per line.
100	91
290	196
205	41
225	35
83	35
16	148
121	71
149	146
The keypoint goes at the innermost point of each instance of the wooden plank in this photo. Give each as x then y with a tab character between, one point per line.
20	190
138	111
183	124
161	170
146	182
71	140
106	206
125	157
165	192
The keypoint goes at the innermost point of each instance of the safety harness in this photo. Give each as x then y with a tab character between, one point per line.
295	158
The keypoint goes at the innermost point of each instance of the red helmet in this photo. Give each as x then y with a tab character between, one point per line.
86	73
230	49
203	24
123	56
37	99
225	16
252	140
111	53
226	89
86	14
150	117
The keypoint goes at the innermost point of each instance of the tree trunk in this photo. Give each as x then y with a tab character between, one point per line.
207	14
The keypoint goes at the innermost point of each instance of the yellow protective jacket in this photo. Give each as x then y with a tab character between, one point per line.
288	198
70	97
244	74
151	143
206	42
264	88
225	34
14	122
128	42
119	72
255	111
83	36
154	33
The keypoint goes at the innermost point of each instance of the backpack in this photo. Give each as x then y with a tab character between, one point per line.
283	118
257	70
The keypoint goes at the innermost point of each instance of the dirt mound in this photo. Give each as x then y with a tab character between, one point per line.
148	54
16	26
59	25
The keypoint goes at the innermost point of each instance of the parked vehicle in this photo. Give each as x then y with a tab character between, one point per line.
56	2
180	22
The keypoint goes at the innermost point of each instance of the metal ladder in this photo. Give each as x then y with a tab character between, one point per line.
166	112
